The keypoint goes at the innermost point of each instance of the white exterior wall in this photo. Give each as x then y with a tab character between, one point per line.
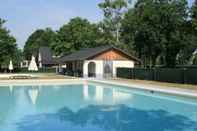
99	68
123	64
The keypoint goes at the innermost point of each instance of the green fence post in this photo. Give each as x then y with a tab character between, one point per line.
154	74
184	76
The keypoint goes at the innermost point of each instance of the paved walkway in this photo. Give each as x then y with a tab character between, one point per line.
8	76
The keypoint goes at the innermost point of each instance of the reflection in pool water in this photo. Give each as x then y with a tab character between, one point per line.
93	107
107	118
33	94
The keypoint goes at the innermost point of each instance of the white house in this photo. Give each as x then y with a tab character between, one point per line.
98	62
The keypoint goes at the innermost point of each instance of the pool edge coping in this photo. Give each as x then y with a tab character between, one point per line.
38	82
156	88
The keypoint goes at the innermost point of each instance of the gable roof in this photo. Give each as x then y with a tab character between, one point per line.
89	53
46	56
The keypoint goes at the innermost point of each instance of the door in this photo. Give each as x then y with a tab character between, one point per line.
108	69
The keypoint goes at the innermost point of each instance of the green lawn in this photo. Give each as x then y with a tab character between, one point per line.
161	84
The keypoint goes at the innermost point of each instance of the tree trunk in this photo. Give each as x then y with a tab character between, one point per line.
117	35
170	59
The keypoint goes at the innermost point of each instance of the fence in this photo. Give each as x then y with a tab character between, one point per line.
177	75
76	73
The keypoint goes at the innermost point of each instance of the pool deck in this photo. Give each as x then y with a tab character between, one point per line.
145	85
7	76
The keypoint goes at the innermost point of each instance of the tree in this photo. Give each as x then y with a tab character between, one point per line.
186	54
113	13
194	15
77	34
175	30
7	46
37	39
105	36
140	33
156	28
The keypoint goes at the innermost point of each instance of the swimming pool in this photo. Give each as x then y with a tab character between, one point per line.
93	107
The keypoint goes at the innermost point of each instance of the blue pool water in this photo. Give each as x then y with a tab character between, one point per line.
93	107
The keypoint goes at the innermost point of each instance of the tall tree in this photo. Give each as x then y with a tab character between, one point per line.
8	46
140	34
37	39
78	33
194	15
189	50
113	13
157	28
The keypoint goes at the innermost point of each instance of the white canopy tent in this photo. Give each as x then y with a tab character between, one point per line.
11	66
33	65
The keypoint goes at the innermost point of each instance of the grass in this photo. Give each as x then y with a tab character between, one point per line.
161	84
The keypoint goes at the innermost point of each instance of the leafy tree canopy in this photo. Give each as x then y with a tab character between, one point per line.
194	15
8	47
113	12
156	28
37	39
78	33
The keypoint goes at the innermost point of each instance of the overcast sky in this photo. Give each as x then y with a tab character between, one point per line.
25	16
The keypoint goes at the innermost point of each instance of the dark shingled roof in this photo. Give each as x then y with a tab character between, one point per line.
46	56
89	53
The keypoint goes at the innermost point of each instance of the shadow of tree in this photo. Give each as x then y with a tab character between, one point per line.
107	118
